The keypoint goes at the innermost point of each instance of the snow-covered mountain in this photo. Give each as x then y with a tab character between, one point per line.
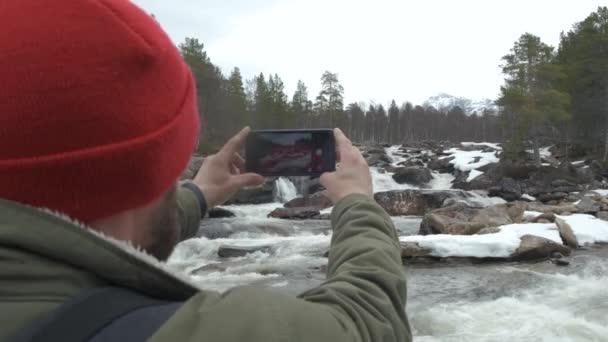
446	102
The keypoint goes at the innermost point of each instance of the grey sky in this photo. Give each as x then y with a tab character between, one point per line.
381	49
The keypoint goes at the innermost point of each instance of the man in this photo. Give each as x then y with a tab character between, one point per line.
98	119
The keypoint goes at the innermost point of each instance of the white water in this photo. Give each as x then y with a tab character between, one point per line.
285	190
449	303
556	308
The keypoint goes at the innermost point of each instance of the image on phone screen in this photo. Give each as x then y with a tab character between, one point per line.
291	153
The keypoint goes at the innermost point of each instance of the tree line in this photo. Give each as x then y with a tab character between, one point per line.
550	96
228	103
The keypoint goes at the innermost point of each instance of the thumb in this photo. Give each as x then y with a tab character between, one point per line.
327	178
248	179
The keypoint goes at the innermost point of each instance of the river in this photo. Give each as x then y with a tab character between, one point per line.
447	301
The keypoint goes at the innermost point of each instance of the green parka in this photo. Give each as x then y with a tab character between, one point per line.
45	259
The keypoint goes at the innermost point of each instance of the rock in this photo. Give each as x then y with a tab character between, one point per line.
258	195
323	217
317	200
545	217
516	211
489	230
441	165
413	175
227	251
220	213
555	209
378	159
413	250
295	213
566	233
534	247
508	189
588	205
554	196
412	163
560	262
459	219
415	202
603	215
193	166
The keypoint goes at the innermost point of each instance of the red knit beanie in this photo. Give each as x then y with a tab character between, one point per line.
98	111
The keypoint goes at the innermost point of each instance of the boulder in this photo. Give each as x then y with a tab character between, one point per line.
566	233
413	175
545	217
442	165
553	196
603	215
259	195
439	224
508	189
413	250
220	213
378	159
227	251
415	202
459	219
295	213
412	163
588	205
533	247
555	209
317	200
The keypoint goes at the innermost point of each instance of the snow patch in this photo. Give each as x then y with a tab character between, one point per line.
601	192
499	245
491	145
528	197
474	174
587	229
466	160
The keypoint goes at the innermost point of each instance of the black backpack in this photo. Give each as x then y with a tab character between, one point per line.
102	314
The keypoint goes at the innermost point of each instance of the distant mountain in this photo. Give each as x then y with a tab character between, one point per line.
445	102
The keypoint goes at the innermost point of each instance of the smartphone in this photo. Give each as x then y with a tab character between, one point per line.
297	152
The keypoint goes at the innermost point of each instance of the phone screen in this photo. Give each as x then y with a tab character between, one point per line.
291	152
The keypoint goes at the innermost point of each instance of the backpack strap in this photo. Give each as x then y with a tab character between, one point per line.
91	312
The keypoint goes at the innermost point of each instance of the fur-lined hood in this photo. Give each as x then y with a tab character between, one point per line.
36	237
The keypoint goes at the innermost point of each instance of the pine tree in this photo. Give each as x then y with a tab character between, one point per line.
394	135
330	102
530	96
301	106
584	55
237	101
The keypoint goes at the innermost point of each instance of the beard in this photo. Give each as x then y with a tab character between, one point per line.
163	228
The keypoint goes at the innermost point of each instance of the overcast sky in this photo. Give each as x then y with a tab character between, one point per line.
407	50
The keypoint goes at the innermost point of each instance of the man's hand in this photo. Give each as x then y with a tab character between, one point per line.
222	174
352	175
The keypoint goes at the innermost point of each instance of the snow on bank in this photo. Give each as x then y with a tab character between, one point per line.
491	145
587	228
471	160
499	245
601	192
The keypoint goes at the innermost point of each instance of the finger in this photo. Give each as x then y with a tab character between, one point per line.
248	179
234	144
239	162
234	170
